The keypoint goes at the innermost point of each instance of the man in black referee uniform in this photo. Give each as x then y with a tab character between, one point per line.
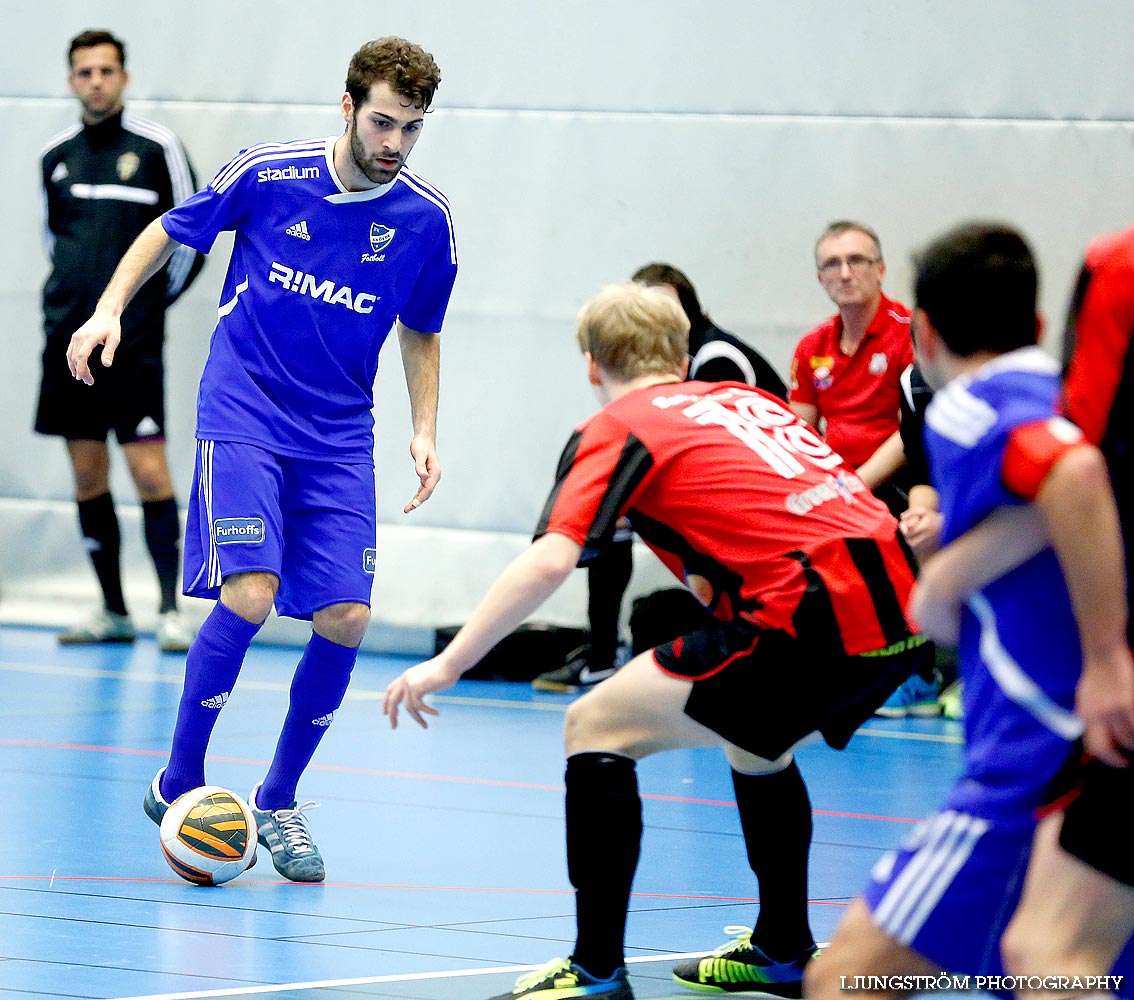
104	180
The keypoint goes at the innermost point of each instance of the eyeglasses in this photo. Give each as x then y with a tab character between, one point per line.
856	262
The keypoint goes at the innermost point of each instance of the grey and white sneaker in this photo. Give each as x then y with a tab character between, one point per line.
106	626
153	804
284	832
173	635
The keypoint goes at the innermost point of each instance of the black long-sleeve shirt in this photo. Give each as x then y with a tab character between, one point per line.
102	185
718	356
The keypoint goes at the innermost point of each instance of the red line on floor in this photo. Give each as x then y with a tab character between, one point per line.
310	886
449	778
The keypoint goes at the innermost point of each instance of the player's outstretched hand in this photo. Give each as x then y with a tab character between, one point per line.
412	686
1104	700
96	330
428	469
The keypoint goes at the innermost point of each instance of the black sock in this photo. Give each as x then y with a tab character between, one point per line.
602	793
99	525
775	815
608	576
163	533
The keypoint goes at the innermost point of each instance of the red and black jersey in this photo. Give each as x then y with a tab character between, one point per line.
741	499
1098	349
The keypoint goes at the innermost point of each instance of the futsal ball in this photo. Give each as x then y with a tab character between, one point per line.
208	835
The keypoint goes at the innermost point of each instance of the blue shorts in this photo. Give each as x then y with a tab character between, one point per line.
949	891
310	523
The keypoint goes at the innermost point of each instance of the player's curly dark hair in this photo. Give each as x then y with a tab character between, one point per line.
407	68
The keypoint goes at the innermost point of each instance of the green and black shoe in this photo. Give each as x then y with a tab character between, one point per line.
561	978
740	967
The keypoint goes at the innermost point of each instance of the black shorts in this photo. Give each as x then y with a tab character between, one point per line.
1093	828
127	398
764	691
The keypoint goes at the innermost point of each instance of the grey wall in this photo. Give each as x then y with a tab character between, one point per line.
577	141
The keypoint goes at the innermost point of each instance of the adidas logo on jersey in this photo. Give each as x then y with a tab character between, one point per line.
300	230
217	701
323	720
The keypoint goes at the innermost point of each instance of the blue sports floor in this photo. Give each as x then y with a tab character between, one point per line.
444	849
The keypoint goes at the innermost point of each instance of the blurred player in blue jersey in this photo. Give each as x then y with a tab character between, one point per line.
999	455
335	242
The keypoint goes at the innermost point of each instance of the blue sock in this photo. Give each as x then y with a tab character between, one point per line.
211	668
317	690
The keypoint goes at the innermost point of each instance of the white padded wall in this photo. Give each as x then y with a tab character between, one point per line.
577	141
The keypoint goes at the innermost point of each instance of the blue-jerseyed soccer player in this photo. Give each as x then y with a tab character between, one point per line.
335	241
1034	616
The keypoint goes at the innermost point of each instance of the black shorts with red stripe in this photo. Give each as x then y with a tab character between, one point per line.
765	690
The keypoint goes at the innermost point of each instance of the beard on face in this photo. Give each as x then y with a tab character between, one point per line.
365	162
99	104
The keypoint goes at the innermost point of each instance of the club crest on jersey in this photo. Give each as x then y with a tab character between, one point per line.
878	363
328	291
822	378
822	375
127	166
238	530
380	238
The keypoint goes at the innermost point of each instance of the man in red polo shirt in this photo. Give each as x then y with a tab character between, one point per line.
846	382
845	375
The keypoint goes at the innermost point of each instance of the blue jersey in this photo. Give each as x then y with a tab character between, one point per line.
1019	647
318	275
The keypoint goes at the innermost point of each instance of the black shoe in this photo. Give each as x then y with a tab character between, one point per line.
574	675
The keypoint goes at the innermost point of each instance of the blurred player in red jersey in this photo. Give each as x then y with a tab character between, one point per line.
1078	904
807	580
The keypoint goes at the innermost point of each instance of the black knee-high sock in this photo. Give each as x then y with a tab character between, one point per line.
163	533
608	576
99	525
775	815
602	791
